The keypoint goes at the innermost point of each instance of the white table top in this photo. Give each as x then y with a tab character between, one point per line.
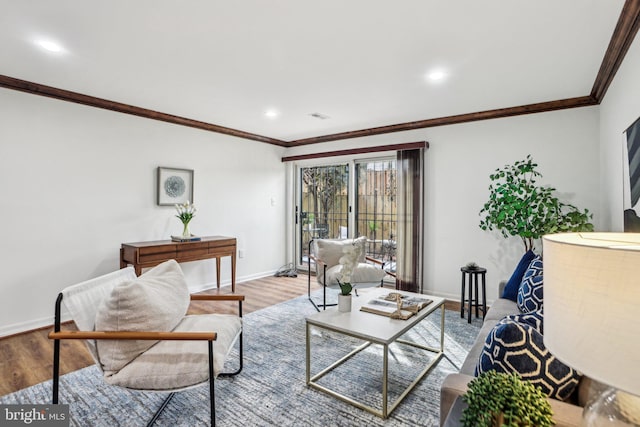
369	326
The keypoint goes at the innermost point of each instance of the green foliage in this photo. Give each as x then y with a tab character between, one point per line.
345	288
518	206
493	393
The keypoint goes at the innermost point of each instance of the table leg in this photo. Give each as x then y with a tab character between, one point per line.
477	301
484	296
385	379
123	264
218	272
442	329
233	271
462	298
308	355
470	306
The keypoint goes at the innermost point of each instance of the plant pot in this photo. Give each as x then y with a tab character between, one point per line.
344	303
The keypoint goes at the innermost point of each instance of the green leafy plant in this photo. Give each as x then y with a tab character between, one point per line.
345	288
518	206
499	399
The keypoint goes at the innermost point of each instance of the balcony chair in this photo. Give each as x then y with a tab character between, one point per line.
140	336
325	254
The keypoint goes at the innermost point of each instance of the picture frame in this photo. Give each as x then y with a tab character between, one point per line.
631	181
175	186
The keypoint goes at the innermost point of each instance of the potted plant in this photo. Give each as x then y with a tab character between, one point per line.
349	262
518	206
499	399
344	298
186	212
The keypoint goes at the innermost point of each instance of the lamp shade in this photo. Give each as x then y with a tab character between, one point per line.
592	305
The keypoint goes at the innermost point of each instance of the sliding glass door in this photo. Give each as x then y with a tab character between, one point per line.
375	210
323	208
326	209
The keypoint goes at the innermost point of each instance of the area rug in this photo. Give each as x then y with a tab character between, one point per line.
271	389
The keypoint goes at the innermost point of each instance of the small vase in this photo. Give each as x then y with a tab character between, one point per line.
344	303
185	231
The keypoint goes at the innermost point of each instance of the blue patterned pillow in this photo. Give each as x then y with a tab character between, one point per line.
515	347
530	291
535	319
511	288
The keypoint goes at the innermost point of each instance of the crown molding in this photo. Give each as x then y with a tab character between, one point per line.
622	38
78	98
540	107
363	150
623	35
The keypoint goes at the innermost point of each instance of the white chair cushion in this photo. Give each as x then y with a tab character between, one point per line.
363	273
174	365
330	251
155	301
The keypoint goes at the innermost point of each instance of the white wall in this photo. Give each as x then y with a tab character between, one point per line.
80	181
619	109
458	164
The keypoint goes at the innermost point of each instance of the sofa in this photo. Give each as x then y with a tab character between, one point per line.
566	413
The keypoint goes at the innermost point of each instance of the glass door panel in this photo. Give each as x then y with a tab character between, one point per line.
323	209
375	208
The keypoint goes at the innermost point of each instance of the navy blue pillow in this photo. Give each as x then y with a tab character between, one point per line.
518	347
530	294
511	288
535	319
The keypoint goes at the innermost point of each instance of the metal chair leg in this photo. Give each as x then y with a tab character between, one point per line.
324	304
56	352
212	386
160	409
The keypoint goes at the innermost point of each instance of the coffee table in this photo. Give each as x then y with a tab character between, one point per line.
373	329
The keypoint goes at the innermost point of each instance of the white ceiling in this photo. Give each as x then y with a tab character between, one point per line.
360	62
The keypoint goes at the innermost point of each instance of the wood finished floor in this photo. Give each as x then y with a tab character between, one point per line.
27	359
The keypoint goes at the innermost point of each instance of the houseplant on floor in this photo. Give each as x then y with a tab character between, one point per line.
499	399
518	206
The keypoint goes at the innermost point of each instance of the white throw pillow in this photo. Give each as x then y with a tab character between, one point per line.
155	301
363	273
330	251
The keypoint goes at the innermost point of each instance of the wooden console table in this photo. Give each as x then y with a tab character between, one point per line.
148	254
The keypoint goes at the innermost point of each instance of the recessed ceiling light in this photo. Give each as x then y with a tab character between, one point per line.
436	75
271	113
49	45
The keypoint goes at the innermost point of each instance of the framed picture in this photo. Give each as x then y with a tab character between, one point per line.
631	182
174	186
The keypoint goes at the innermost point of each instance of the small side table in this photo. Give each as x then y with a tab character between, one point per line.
472	275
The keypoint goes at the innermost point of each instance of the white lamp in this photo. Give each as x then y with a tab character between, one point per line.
592	316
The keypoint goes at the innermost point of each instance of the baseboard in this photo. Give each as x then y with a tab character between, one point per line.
212	285
46	322
31	325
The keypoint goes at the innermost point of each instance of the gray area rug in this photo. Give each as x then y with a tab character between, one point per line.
271	389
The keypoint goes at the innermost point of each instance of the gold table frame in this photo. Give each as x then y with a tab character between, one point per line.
387	407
